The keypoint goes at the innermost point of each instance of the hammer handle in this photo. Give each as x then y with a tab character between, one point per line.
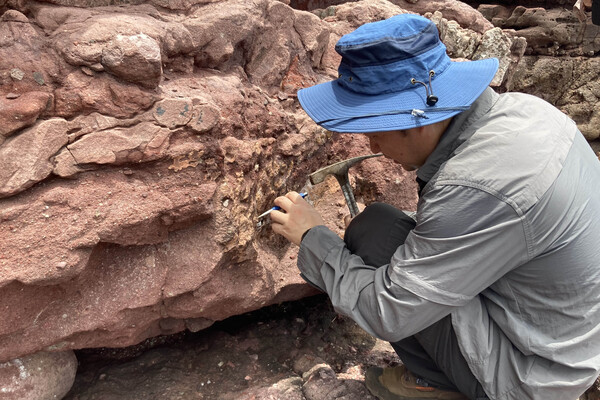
348	195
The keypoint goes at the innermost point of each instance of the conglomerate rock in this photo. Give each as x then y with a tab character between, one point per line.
140	141
140	145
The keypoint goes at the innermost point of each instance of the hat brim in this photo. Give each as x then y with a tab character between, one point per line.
340	110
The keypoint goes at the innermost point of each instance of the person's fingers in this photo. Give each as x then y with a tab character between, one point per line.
284	202
294	196
347	220
294	218
278	217
277	227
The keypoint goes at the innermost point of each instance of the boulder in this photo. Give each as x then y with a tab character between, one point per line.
461	12
322	383
466	44
134	58
130	208
43	375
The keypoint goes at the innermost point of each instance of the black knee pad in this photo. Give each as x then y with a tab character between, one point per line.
377	232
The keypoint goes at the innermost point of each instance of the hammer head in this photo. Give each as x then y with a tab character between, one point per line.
339	169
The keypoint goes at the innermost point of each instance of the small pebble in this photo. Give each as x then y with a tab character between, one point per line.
17	74
39	78
87	70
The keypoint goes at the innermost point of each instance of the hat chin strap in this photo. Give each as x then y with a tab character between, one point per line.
415	112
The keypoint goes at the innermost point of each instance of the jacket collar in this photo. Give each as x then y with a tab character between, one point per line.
456	134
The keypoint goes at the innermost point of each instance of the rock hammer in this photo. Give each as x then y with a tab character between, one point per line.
340	171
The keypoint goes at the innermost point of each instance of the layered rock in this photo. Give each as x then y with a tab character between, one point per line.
145	146
139	143
560	63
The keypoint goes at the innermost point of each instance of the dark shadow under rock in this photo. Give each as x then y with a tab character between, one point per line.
299	350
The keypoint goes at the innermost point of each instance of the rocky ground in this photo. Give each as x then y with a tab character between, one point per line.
294	351
300	350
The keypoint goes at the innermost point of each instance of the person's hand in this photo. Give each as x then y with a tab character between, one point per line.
348	218
299	216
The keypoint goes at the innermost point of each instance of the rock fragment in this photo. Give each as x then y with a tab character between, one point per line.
27	157
44	375
18	111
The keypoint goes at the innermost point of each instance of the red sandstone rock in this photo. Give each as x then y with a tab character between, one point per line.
134	58
24	66
170	153
21	111
26	158
84	94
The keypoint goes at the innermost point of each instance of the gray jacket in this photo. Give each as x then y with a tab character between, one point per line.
506	241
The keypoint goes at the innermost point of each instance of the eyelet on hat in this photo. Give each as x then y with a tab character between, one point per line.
431	99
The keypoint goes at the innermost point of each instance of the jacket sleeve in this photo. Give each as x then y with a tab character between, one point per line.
465	239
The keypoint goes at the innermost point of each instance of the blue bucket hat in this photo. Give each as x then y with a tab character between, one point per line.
395	74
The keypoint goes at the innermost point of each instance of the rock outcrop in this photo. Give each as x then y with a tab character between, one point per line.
139	142
560	63
138	147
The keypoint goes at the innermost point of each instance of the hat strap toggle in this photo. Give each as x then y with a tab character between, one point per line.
418	113
431	99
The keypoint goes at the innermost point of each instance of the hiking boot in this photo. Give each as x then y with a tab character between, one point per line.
398	383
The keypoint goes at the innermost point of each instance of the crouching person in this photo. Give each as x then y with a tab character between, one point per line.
493	291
